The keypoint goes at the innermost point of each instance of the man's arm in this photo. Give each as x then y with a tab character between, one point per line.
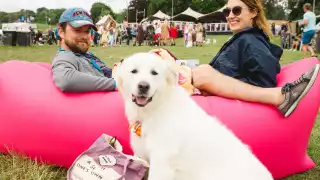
68	79
304	21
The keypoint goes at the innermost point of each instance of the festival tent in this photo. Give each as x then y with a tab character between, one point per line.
214	17
159	15
188	15
106	20
19	26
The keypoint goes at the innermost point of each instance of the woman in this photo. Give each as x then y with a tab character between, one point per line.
104	37
185	34
111	36
157	35
173	34
140	34
164	33
134	34
273	28
199	34
247	65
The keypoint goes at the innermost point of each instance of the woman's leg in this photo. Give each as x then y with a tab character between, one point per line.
225	86
285	98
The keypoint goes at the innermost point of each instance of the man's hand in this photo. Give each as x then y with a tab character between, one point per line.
201	76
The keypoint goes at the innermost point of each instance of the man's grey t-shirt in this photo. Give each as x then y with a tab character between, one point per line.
72	73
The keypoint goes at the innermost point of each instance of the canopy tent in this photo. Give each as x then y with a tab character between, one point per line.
106	20
214	17
159	15
19	26
188	15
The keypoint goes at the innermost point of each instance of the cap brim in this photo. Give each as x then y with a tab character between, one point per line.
80	23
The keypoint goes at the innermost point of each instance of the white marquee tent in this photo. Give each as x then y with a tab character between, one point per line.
157	16
215	16
19	26
188	14
106	20
161	15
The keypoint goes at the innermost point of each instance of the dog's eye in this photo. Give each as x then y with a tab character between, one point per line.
134	71
154	73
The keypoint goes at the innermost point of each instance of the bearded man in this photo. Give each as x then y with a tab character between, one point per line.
73	68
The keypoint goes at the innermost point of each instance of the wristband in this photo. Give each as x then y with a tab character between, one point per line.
114	84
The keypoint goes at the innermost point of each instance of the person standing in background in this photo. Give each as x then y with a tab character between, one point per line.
56	35
273	28
309	23
199	34
173	34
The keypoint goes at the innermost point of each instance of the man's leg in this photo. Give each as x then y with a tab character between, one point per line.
285	98
311	50
304	49
306	40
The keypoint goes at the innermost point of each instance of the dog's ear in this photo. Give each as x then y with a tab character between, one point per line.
172	74
118	74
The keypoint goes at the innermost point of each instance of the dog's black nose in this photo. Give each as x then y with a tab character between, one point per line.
143	87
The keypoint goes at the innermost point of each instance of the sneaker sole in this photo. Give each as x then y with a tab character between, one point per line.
312	80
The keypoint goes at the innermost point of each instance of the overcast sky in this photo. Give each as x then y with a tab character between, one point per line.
16	5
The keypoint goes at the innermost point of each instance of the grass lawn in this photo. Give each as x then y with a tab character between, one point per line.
13	167
44	27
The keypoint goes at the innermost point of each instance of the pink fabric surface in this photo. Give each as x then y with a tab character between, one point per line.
41	121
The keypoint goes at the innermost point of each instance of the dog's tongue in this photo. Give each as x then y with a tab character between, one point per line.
142	100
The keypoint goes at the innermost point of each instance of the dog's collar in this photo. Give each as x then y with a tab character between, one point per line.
135	127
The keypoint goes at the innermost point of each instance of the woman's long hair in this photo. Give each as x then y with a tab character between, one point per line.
260	20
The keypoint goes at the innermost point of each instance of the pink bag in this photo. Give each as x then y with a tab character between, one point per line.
104	160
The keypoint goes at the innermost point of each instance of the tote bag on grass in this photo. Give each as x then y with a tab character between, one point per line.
104	160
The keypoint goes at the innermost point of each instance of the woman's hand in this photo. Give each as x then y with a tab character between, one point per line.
164	54
202	77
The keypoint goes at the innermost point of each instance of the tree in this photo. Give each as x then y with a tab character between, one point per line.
100	9
274	10
296	7
4	17
119	17
54	15
137	6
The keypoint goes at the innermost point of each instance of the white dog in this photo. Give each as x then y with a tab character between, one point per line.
179	139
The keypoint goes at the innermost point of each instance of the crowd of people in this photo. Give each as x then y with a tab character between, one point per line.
156	33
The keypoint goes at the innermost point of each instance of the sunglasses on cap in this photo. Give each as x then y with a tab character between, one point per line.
235	10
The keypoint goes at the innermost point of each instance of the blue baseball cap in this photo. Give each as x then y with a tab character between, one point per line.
77	17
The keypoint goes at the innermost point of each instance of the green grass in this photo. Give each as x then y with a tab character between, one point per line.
43	27
16	167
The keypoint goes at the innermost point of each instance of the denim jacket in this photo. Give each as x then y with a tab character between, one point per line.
250	57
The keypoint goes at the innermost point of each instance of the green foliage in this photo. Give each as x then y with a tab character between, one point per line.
100	9
297	8
119	17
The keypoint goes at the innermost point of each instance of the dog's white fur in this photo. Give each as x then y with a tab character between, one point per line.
179	139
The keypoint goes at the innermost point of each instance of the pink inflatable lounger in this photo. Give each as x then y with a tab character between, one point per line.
39	120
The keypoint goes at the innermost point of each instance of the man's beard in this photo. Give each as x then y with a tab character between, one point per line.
77	47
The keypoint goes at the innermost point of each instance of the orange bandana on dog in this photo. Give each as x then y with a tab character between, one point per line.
136	128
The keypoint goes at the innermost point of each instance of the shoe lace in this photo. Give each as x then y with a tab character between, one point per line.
289	86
